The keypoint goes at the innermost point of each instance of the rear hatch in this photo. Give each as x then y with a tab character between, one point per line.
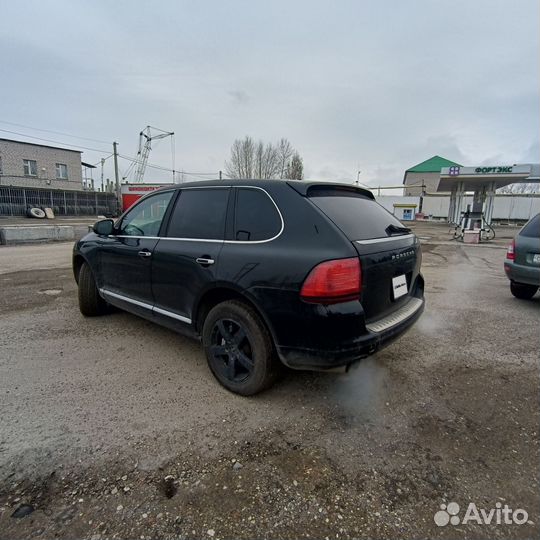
389	253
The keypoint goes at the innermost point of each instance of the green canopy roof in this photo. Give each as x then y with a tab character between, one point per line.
434	164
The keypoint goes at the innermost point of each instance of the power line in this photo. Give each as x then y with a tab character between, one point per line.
102	159
161	168
137	161
101	151
200	175
55	132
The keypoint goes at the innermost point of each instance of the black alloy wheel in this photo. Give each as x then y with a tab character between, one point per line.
239	348
231	350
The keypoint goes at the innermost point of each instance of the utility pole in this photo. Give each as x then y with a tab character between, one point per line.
116	175
422	194
102	166
220	175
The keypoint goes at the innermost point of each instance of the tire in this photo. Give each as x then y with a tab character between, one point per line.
90	302
488	233
522	291
36	213
239	348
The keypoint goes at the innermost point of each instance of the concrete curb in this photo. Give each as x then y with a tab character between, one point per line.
12	234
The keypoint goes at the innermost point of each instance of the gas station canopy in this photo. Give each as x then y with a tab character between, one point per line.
483	181
478	178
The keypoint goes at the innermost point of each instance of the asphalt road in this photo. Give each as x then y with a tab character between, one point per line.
35	257
95	413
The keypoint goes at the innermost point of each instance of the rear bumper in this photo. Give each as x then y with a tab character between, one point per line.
520	273
376	335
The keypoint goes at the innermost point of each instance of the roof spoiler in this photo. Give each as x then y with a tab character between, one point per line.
304	188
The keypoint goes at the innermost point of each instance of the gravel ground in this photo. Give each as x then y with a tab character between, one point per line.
114	428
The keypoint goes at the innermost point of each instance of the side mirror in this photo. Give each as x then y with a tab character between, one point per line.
104	227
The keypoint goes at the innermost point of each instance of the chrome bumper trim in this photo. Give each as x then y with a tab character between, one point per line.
398	316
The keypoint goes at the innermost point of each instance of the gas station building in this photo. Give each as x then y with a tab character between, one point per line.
424	177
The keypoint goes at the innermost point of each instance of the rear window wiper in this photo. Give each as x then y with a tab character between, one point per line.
395	229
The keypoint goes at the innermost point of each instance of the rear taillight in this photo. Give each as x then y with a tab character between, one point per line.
511	251
333	281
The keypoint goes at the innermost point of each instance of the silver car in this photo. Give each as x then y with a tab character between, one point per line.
522	264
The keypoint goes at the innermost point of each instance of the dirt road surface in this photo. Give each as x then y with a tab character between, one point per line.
113	427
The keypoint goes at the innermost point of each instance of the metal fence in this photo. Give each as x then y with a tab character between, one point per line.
15	201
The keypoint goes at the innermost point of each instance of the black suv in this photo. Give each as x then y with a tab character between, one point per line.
314	275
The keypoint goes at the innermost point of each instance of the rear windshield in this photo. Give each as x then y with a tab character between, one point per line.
532	229
357	216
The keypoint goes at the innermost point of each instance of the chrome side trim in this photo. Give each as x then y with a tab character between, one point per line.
192	239
145	305
385	239
403	313
135	237
215	240
126	299
172	315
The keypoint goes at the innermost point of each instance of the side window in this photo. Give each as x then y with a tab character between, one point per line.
200	213
145	219
256	217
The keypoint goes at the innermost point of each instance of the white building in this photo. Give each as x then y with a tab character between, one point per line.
404	208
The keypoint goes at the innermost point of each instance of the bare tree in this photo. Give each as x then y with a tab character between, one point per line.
285	153
259	160
295	170
270	162
242	161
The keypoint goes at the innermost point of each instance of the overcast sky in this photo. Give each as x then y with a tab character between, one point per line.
376	86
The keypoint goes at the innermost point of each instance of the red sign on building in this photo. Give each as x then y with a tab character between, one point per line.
133	192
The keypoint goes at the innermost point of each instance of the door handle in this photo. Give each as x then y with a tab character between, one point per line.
204	261
145	253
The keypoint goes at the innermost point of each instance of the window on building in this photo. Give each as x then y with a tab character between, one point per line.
30	167
256	217
61	171
200	213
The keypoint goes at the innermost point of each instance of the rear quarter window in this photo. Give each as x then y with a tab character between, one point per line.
357	216
532	229
256	216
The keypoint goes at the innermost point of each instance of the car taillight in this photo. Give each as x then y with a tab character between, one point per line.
334	281
511	251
